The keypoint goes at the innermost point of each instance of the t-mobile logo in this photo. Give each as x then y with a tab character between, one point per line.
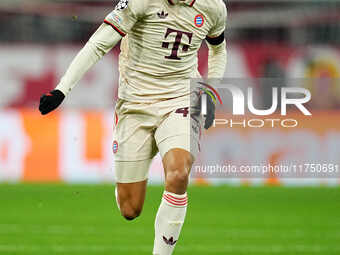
177	43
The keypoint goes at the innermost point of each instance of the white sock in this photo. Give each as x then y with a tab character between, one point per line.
169	221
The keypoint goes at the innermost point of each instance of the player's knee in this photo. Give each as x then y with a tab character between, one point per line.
177	169
130	213
178	177
178	160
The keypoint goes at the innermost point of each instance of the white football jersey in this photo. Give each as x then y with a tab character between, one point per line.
161	40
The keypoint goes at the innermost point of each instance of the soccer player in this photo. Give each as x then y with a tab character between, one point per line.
158	59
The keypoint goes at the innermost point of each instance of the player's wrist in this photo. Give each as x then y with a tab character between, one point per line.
62	89
58	94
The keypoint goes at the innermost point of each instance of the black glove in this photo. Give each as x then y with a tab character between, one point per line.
210	114
51	101
211	94
210	117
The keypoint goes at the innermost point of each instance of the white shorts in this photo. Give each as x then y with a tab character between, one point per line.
143	129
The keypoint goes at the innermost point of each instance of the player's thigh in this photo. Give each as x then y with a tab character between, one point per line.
133	133
130	197
131	171
178	143
179	130
132	194
133	147
133	151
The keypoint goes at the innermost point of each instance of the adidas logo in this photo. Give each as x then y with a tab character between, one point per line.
162	15
169	241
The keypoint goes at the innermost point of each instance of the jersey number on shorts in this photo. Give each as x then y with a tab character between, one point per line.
177	43
184	111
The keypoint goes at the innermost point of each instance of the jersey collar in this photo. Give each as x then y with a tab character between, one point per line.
187	2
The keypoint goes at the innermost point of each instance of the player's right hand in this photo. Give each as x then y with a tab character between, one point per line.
50	101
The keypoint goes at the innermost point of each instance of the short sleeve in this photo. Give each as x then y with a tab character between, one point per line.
220	24
125	15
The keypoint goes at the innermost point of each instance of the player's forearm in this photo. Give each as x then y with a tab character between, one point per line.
101	42
217	60
85	59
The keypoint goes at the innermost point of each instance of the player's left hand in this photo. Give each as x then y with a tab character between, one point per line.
210	117
51	101
212	97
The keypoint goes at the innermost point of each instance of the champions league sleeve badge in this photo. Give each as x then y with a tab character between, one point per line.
123	4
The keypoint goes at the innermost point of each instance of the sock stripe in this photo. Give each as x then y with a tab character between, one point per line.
176	198
175	202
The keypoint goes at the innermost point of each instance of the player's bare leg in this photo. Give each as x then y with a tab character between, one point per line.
177	164
131	177
171	213
130	198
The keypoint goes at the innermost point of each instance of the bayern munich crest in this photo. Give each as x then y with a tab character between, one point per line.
199	20
122	4
115	147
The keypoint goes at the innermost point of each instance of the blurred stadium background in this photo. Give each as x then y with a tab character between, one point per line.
72	147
